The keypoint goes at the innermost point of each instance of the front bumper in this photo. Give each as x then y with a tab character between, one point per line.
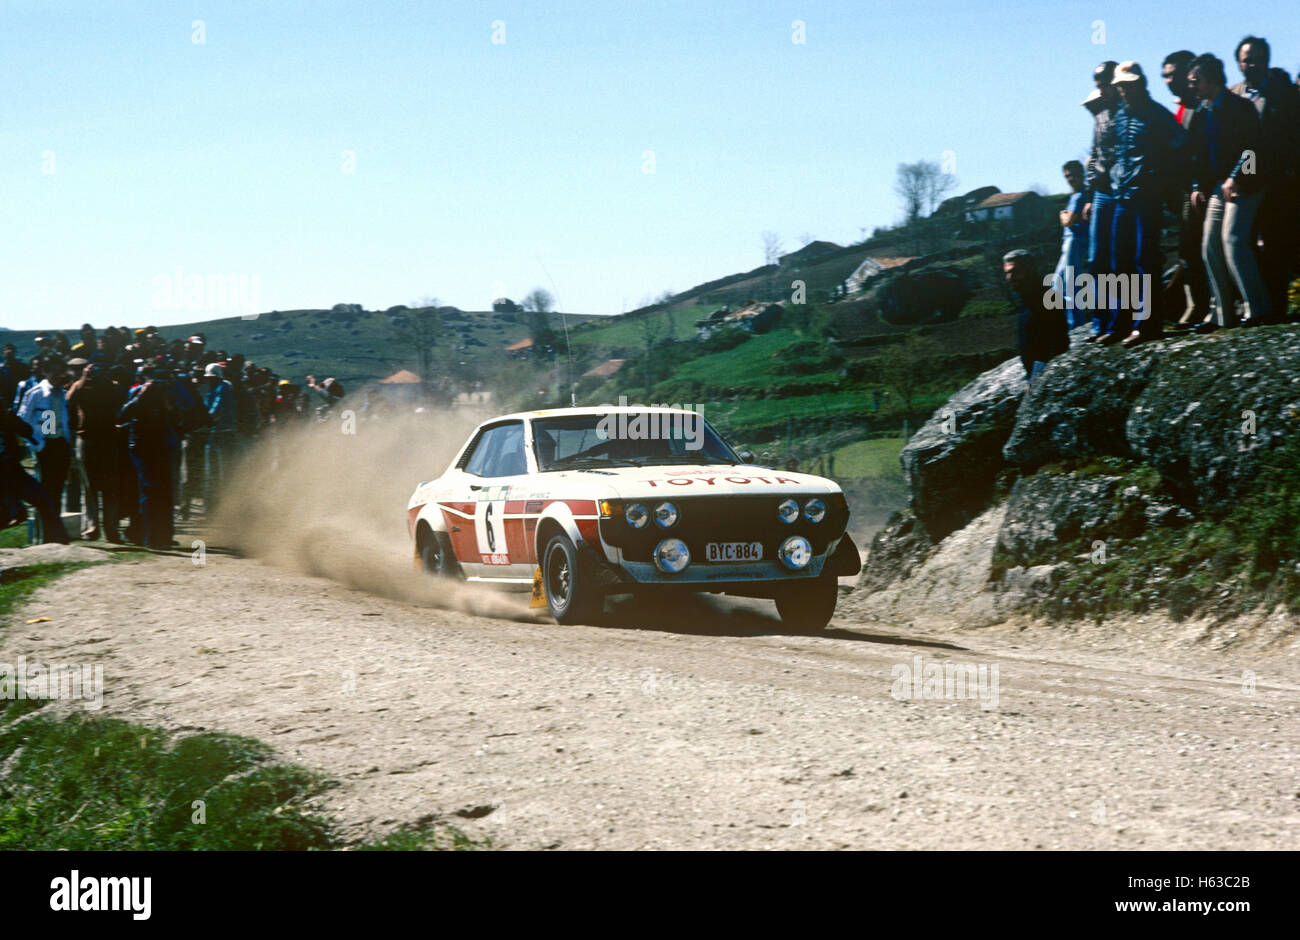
628	553
703	574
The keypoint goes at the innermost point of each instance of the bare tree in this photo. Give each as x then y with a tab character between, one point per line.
771	256
420	330
771	248
921	186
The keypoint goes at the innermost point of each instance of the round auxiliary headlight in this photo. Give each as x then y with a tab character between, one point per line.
814	510
665	515
636	516
672	555
788	510
795	552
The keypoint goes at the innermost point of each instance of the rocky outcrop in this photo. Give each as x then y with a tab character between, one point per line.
951	584
1048	513
1200	410
952	462
895	550
1080	405
1166	456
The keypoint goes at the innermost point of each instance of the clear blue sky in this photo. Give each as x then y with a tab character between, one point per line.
479	164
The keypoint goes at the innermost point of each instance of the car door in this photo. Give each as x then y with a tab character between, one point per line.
498	464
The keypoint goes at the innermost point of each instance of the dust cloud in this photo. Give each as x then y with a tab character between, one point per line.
329	499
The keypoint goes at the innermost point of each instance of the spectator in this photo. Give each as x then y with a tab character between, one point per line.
1099	203
194	353
72	493
35	373
16	481
94	401
220	404
195	446
12	371
1148	150
1074	245
1195	278
1227	188
191	416
45	409
87	345
327	393
1278	106
148	415
1041	332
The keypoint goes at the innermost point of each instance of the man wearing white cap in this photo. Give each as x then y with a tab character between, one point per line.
1150	157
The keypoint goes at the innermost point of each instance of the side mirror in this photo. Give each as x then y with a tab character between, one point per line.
745	456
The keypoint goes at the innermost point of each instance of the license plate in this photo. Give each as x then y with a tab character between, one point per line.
733	551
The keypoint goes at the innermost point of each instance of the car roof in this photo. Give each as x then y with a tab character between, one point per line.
591	410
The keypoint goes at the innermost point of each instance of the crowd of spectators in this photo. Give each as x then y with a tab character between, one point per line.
1225	162
127	425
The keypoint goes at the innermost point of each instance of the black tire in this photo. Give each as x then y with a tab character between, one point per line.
436	556
571	593
808	606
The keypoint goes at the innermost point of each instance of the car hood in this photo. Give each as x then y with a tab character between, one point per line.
694	480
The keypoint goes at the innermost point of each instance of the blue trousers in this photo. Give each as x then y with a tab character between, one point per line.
1101	225
1135	254
153	469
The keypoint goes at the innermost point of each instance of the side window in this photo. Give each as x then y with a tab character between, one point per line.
499	452
481	457
510	460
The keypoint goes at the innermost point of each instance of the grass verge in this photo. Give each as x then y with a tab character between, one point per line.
86	783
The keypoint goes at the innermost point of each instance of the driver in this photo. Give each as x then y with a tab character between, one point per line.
545	443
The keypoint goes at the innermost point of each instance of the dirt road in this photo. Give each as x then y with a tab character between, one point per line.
702	726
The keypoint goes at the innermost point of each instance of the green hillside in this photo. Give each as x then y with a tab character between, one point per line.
832	376
354	347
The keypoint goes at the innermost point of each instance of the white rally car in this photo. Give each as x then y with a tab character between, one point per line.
580	503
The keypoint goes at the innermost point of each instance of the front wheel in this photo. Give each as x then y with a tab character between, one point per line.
807	606
571	594
436	557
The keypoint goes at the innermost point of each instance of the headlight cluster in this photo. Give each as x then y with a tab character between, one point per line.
672	555
788	510
637	516
795	552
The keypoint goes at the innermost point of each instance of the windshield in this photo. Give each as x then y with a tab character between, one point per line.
622	439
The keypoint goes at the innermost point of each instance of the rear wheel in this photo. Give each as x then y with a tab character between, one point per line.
571	594
807	606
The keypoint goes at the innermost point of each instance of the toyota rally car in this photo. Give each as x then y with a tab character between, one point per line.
580	503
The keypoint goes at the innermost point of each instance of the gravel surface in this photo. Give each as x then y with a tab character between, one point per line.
700	725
